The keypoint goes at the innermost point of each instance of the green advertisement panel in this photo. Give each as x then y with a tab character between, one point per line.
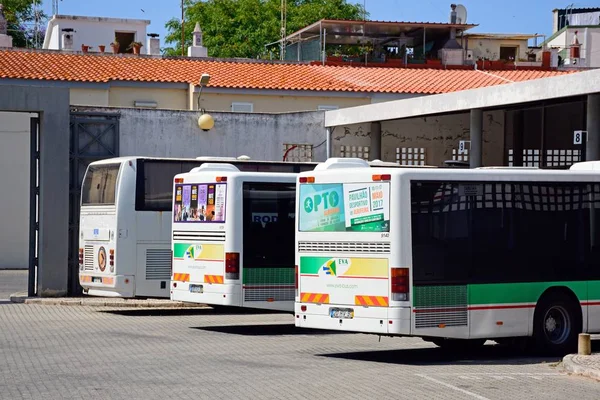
351	207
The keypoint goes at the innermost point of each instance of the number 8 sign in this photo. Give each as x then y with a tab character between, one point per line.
578	137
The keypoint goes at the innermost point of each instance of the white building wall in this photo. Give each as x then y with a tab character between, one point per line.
589	39
55	38
14	196
93	31
490	48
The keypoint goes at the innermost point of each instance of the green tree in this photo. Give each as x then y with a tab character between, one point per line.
242	28
20	17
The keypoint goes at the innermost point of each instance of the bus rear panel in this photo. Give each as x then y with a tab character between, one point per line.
348	277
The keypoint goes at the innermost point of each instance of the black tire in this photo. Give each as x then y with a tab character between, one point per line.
557	322
459	345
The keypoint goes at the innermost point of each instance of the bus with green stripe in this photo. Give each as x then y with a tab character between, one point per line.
233	238
456	257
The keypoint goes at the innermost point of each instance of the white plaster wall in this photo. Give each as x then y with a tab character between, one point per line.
14	196
95	33
55	38
490	48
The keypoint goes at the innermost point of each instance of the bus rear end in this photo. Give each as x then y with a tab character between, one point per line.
203	270
98	233
349	276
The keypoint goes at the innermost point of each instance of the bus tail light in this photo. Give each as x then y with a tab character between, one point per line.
384	177
296	278
400	284
232	265
80	258
307	179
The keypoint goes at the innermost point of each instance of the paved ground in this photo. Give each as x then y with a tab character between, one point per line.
12	281
54	352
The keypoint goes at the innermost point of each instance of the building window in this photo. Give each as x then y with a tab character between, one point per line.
125	39
242	107
327	108
509	53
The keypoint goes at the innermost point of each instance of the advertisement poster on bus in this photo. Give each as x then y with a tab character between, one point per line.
321	208
203	202
356	207
367	207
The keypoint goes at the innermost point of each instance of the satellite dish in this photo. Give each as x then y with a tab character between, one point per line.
461	14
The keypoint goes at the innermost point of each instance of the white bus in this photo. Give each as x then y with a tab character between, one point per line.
233	238
125	222
453	256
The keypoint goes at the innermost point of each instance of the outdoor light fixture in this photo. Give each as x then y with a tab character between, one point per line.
205	121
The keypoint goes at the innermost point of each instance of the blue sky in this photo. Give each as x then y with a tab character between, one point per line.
506	16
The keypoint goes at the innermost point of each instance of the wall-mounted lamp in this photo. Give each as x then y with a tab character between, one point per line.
205	121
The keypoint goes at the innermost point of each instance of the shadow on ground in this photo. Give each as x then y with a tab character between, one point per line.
160	312
490	354
267	330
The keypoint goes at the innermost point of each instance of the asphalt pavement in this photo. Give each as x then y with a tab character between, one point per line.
55	352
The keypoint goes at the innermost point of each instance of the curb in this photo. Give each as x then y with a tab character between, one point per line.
21	298
588	366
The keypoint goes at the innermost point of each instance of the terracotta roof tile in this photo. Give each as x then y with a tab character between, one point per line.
46	65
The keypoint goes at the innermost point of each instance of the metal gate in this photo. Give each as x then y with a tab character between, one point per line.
94	136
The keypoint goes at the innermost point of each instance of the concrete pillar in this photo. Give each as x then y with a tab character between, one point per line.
476	131
328	144
375	141
593	128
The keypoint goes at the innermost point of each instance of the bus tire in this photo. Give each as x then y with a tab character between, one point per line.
459	345
557	322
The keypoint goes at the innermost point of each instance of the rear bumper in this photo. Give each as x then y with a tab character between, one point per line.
217	294
379	320
111	286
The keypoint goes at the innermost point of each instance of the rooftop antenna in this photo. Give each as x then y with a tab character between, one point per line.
283	28
55	7
182	30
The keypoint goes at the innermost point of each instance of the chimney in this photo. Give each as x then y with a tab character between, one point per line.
67	39
153	44
197	49
5	40
453	14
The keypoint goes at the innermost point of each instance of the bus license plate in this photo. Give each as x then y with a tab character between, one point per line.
196	288
96	279
341	313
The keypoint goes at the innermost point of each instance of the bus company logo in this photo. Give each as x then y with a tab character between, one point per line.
193	251
323	200
333	266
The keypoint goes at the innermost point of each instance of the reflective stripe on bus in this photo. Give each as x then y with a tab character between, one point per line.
105	280
213	278
376	301
320	298
181	277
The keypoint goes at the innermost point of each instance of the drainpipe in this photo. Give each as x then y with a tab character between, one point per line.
328	132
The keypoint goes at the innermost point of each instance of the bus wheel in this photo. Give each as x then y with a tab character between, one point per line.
556	324
459	345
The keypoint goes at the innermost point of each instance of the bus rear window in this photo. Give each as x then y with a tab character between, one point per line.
348	207
200	202
100	184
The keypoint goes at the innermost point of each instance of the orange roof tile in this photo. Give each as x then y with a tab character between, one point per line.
51	65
